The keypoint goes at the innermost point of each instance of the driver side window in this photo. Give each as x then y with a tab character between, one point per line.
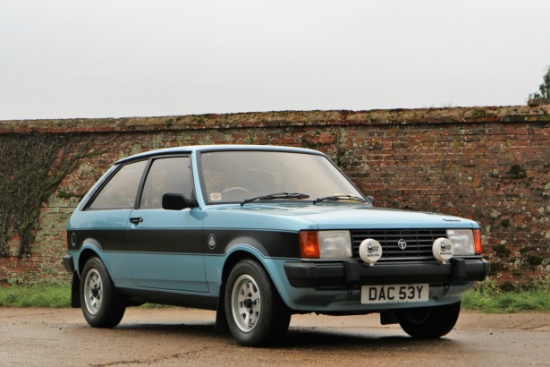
172	175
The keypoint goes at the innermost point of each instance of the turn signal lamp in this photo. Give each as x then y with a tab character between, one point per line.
325	244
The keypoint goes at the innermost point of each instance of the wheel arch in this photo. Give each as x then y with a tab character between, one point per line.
241	252
90	248
84	256
272	266
233	258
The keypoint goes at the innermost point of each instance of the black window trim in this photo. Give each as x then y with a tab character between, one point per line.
149	159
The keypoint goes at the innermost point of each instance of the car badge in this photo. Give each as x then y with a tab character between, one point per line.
402	244
211	242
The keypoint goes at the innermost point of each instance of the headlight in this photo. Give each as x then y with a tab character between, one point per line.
325	244
466	241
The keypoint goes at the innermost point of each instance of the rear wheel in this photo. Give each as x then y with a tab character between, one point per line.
101	304
429	322
256	315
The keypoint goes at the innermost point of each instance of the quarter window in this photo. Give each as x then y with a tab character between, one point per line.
120	192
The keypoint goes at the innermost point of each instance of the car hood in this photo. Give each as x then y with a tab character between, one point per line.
328	216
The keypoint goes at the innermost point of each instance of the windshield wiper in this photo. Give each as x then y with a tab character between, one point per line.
279	195
340	197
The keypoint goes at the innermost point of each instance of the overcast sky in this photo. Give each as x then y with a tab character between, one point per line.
115	58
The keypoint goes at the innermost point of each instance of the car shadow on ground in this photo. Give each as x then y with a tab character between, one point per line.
342	339
296	338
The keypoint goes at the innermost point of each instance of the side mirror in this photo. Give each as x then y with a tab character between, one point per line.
176	201
370	199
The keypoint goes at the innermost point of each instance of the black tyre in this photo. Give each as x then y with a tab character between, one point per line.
101	304
256	315
429	322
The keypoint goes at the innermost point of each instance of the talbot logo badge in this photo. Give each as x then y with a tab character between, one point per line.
211	242
402	244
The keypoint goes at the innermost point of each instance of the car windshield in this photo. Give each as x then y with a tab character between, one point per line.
238	176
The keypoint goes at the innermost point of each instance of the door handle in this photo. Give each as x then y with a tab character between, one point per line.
136	220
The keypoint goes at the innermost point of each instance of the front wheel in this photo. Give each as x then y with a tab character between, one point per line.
101	304
256	315
429	322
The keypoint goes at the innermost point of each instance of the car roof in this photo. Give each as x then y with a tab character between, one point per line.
216	148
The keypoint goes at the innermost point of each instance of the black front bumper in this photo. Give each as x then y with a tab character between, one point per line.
354	273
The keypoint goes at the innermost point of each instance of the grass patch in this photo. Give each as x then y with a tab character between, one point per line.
507	302
44	295
488	296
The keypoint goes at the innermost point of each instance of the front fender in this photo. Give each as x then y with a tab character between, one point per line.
218	268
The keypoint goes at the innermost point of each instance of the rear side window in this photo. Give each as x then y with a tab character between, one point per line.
120	191
166	175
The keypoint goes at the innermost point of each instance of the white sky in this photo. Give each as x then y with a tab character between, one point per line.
123	58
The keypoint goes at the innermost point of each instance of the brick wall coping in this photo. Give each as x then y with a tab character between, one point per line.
450	115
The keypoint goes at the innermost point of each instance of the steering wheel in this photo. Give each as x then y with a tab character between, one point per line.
234	189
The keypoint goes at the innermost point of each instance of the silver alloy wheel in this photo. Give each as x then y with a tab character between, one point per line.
245	303
93	291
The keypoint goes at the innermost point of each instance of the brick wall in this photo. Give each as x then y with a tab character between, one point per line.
490	164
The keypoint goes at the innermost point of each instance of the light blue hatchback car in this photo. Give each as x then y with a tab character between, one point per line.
259	233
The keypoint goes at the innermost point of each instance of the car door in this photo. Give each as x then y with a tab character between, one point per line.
164	246
103	222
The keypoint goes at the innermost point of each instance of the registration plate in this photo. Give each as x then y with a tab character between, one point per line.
395	293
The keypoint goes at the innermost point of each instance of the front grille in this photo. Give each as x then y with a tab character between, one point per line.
419	242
